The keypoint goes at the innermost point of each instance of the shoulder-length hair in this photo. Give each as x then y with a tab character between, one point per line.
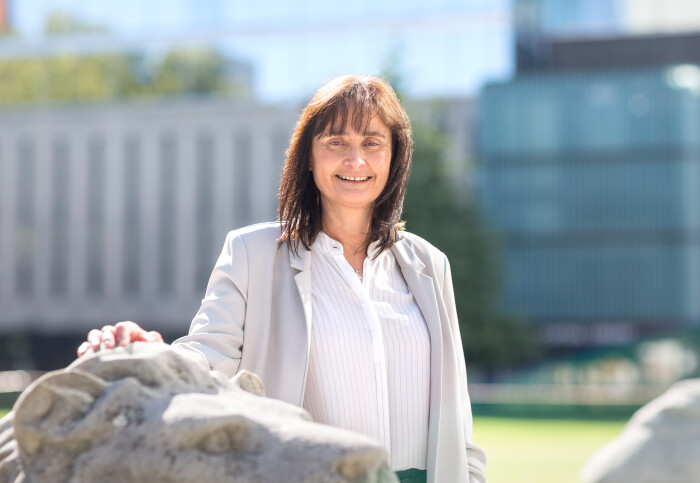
299	202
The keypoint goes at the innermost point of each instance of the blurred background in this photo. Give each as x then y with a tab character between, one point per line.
557	164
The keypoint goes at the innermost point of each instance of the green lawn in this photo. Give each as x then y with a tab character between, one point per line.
536	450
539	450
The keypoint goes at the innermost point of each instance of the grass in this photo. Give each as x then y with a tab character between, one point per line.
540	450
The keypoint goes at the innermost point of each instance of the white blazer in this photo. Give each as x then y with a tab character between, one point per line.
256	315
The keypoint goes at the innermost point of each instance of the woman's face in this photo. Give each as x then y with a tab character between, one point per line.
351	168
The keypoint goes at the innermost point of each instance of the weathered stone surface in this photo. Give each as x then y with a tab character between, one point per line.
149	413
660	443
10	467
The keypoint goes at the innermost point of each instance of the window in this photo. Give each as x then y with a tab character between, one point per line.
205	209
95	217
168	172
24	269
60	192
241	183
131	227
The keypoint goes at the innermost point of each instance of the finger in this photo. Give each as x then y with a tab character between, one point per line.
153	336
108	338
128	332
94	338
83	348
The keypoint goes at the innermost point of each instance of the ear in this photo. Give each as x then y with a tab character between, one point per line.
50	408
249	382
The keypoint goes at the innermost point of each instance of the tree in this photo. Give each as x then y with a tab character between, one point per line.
115	76
492	339
59	22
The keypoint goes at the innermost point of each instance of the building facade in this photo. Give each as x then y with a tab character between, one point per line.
114	213
590	165
592	180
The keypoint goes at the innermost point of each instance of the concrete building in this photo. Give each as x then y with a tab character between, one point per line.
118	212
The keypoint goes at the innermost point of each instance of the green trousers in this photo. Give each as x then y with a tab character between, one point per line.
412	476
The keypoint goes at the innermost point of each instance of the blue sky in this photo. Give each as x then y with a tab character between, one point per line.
444	47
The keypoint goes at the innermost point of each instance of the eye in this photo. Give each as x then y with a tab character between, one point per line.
217	442
239	435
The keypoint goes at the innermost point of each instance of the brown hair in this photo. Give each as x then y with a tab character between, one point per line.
299	202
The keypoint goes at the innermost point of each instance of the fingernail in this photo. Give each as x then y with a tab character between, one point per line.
150	336
83	348
94	341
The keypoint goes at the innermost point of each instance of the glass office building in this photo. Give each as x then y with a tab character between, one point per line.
593	180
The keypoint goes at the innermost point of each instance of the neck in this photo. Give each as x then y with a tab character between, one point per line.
348	228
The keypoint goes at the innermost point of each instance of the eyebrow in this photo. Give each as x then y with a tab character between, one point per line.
344	133
376	134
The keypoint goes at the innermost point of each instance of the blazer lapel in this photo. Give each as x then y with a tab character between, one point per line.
302	262
423	290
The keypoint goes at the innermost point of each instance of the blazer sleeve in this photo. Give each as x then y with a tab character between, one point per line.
216	332
476	457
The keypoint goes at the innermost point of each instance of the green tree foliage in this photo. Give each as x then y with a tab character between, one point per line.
114	76
492	339
196	71
60	22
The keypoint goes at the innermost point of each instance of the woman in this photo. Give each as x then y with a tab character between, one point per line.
336	308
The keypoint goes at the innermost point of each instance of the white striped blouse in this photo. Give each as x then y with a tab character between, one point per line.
369	369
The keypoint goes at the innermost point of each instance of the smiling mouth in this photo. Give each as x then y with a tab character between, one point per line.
353	178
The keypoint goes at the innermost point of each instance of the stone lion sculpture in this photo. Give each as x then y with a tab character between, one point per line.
147	412
659	444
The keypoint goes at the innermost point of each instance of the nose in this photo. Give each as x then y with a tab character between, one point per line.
354	157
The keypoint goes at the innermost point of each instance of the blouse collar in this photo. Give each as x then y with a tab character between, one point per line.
328	245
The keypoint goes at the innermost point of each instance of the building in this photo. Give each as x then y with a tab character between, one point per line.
613	52
590	166
455	118
551	35
114	213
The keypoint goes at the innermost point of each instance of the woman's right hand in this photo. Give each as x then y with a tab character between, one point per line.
120	334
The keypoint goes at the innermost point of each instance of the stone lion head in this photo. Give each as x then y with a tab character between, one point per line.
147	412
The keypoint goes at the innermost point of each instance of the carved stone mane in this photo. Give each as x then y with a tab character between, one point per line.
150	413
